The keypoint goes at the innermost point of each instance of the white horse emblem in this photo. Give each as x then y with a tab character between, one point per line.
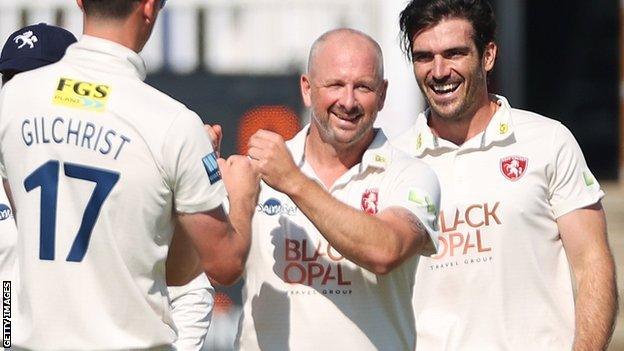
26	38
513	167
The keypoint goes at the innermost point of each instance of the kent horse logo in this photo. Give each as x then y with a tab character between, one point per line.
26	38
369	201
513	167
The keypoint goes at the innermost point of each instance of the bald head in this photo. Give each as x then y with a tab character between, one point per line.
344	38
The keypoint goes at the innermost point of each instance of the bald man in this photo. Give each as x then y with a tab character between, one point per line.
342	216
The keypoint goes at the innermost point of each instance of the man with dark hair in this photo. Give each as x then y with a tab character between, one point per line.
519	205
101	167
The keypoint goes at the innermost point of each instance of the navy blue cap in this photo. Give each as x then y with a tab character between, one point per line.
34	46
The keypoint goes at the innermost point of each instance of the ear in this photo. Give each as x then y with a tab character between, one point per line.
306	89
150	10
489	56
382	97
79	3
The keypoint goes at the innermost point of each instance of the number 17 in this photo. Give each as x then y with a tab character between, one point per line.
47	177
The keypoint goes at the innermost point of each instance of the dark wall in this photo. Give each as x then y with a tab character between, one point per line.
572	73
223	99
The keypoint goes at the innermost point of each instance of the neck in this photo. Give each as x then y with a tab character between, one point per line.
330	161
473	122
118	31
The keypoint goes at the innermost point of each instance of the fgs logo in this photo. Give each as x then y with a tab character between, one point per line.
84	95
5	212
274	207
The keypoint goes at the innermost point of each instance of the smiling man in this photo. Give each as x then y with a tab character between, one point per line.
519	204
342	219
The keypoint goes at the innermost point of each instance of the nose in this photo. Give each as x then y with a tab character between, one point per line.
441	68
348	100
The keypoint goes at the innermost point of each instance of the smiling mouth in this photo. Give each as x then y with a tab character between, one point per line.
347	117
444	88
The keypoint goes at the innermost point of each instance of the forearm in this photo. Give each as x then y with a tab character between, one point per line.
596	305
239	232
364	239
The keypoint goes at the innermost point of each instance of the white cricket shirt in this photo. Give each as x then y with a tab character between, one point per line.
301	294
501	278
8	236
98	163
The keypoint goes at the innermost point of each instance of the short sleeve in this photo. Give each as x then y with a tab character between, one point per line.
572	185
191	166
417	189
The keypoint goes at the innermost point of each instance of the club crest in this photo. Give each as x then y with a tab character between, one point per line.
513	167
369	201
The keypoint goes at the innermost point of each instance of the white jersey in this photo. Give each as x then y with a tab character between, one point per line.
98	163
501	279
300	293
8	235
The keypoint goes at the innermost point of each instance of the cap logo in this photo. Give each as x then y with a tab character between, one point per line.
513	167
27	38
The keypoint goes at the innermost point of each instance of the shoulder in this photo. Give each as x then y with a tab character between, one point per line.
402	162
534	122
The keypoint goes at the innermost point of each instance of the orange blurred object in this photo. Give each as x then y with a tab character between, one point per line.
279	119
222	303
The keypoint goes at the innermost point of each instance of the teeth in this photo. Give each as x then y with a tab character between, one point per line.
444	88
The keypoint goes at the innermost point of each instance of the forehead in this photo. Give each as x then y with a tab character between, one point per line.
348	57
448	33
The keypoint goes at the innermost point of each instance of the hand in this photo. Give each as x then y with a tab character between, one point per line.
241	181
273	161
215	133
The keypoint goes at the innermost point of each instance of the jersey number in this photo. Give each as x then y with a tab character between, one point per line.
47	177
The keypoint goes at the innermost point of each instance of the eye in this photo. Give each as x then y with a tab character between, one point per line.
422	57
364	88
455	53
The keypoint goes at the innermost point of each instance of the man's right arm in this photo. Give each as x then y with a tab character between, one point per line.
223	243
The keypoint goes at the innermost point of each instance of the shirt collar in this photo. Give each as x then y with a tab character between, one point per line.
377	155
117	57
499	128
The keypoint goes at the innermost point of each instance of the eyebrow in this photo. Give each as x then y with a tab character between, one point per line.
462	49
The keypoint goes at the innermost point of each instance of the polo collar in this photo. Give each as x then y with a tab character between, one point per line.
499	128
377	155
115	57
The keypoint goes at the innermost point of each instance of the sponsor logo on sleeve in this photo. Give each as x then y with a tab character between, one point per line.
513	167
82	95
5	212
370	197
588	178
212	167
422	200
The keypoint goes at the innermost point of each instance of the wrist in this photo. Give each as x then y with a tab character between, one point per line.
297	184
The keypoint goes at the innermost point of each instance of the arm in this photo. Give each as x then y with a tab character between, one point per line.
378	243
584	236
221	242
